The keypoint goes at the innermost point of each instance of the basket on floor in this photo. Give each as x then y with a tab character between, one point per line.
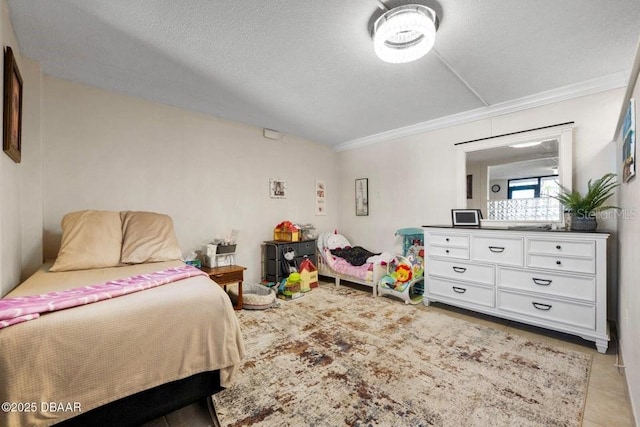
255	296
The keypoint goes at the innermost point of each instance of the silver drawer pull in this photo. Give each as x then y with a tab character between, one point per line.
459	269
540	306
541	282
459	290
496	249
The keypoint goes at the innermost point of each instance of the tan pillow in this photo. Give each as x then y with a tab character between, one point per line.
148	237
90	239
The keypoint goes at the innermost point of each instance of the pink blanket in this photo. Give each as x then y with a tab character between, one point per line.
342	266
20	309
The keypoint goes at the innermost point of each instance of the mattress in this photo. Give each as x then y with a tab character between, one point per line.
71	361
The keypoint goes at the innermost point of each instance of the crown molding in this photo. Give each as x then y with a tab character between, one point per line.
589	87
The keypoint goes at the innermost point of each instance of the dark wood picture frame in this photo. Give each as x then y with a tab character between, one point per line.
12	120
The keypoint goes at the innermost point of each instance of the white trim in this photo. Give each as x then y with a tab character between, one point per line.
589	87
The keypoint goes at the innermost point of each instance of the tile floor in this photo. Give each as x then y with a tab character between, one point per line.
607	402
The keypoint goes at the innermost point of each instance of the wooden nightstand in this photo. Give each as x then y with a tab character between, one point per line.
227	275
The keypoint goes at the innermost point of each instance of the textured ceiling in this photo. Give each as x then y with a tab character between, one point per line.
307	68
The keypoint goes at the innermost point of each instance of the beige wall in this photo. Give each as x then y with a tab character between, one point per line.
21	183
629	266
412	179
109	151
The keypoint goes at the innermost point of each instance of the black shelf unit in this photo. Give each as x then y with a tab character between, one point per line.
273	257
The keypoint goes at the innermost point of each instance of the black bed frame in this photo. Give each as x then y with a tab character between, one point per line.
150	404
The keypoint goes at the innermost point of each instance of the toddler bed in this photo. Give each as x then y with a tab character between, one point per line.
127	359
338	268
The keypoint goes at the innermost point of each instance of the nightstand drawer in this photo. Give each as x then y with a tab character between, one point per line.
223	278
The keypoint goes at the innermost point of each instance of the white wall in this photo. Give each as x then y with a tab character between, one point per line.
629	268
412	179
21	183
109	151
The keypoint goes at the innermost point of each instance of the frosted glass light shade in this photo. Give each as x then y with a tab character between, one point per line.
526	144
405	33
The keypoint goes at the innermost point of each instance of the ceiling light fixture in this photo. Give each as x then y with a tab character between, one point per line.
526	144
405	33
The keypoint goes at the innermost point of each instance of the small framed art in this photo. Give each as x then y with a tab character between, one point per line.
278	188
321	197
362	197
12	123
629	142
466	217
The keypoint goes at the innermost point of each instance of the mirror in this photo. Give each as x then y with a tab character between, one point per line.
510	177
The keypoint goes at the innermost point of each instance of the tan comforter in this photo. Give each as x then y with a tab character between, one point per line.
84	357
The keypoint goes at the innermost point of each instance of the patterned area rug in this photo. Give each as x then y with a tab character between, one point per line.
341	357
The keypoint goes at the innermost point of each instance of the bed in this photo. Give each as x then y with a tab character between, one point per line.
337	268
124	360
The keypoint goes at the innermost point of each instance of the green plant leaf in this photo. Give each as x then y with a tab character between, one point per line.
598	192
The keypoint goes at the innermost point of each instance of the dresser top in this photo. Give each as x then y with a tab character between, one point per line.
518	228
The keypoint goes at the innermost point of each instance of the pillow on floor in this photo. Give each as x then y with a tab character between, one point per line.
148	237
90	239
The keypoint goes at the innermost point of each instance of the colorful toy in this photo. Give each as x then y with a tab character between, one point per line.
405	275
290	287
308	275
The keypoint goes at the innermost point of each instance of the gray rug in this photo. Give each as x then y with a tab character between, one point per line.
341	357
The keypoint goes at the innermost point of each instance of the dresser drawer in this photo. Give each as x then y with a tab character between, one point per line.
307	247
459	253
548	309
559	263
462	271
449	240
498	250
585	248
463	292
570	286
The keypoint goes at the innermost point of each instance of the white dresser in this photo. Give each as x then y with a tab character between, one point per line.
552	279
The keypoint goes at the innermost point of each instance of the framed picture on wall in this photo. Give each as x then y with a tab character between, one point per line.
277	188
12	120
629	142
321	196
362	197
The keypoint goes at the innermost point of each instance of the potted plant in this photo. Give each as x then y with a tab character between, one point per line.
583	209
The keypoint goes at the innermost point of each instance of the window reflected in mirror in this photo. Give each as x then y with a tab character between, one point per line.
516	182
